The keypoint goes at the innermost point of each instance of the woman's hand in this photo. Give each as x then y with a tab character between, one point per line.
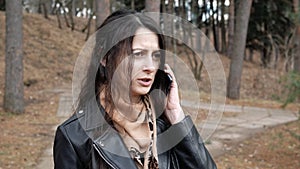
173	111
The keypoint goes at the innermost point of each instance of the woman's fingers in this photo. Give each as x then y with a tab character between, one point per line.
168	70
173	110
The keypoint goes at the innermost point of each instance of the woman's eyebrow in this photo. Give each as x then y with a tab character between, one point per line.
142	49
139	49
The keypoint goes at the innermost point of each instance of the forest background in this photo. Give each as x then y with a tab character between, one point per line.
257	41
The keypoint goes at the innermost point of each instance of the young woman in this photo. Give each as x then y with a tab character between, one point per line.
128	113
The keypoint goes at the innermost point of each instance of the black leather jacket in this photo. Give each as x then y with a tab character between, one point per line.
179	146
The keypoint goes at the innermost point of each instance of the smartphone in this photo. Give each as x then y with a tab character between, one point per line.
168	81
162	81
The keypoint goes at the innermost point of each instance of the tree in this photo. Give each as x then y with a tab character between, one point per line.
215	23
230	28
137	5
102	11
223	27
297	38
14	87
168	22
2	5
265	32
240	35
153	6
297	50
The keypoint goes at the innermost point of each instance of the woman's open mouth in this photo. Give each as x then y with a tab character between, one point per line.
146	82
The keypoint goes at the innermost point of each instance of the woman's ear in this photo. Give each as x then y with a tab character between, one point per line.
101	72
103	62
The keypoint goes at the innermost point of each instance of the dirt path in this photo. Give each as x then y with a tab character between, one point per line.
226	131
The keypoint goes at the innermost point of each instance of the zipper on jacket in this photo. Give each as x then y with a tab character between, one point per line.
103	157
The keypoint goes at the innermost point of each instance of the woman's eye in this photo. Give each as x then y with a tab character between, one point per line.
138	54
156	55
143	54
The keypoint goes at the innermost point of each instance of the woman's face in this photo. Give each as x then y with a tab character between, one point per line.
146	55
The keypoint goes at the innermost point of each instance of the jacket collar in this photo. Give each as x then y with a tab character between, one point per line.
112	149
106	139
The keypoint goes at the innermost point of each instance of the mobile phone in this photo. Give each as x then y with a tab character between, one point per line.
168	81
162	81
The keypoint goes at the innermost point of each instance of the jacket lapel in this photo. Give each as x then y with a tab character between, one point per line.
106	140
111	148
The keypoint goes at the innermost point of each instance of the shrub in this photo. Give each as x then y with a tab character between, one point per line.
291	88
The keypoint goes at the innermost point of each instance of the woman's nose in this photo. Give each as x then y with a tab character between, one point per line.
149	65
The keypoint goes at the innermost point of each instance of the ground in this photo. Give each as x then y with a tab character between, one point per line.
49	57
276	148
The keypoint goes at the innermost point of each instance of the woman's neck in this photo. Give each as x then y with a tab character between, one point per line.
135	99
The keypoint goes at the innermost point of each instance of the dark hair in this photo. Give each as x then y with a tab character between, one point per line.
113	43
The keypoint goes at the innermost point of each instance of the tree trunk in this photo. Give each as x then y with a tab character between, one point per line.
45	11
184	26
168	22
214	27
88	27
153	6
58	19
297	50
73	7
230	28
251	53
102	11
65	15
14	86
297	38
236	64
2	5
223	28
71	13
132	4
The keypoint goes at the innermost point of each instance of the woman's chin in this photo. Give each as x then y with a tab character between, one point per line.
141	92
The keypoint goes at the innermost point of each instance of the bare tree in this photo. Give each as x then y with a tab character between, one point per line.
223	27
102	11
297	51
215	23
43	9
2	5
230	28
71	13
132	4
239	43
153	6
168	21
297	38
14	86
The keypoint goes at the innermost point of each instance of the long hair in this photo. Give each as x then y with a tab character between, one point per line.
113	43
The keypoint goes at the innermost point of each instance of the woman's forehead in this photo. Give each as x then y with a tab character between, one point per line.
145	39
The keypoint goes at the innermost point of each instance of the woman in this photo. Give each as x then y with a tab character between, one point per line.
127	115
